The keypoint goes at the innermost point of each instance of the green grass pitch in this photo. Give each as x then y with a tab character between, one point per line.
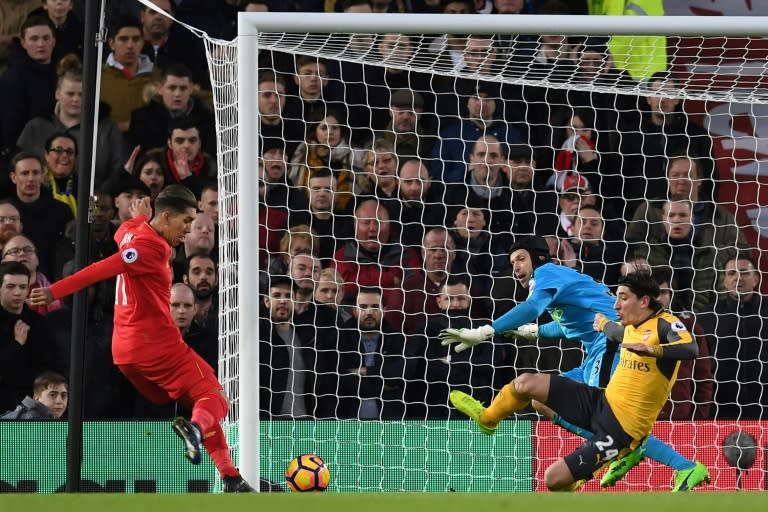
389	502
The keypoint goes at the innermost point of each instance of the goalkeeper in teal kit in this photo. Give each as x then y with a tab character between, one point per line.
572	299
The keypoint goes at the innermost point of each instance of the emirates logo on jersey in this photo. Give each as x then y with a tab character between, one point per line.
130	255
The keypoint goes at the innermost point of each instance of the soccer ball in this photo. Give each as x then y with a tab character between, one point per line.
307	473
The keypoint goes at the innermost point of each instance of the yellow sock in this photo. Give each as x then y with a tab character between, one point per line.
504	404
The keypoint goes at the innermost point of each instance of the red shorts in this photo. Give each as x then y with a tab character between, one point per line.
184	377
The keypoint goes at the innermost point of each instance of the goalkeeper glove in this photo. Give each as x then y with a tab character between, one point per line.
466	338
525	331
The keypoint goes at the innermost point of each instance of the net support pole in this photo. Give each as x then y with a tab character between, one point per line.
248	254
82	243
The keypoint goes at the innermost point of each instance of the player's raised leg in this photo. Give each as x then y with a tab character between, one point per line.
514	396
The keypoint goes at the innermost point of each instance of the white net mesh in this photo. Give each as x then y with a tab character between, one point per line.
560	127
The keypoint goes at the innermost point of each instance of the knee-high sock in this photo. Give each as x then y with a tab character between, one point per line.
207	413
505	403
665	454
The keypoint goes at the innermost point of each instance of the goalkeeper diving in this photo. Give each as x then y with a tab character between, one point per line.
572	300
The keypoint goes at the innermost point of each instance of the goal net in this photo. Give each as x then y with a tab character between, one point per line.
386	174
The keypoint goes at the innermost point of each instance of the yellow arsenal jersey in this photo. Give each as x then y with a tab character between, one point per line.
640	386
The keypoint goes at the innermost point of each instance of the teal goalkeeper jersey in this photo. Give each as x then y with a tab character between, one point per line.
572	299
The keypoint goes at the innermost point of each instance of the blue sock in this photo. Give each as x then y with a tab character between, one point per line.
654	448
665	454
570	427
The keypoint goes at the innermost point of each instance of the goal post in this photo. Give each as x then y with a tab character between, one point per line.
236	96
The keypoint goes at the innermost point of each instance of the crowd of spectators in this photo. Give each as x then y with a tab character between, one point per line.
388	201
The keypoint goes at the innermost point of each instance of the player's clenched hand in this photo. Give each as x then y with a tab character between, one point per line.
598	323
466	338
40	297
141	207
525	331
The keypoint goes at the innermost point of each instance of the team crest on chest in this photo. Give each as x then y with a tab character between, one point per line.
647	334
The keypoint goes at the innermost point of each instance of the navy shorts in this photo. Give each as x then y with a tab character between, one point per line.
586	407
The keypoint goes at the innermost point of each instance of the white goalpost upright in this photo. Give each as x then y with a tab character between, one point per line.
238	122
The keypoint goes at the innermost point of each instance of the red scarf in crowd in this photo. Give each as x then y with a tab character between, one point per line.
196	166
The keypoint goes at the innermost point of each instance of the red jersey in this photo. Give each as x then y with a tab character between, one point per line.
143	328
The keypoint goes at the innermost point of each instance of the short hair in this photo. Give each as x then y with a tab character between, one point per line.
200	254
741	255
662	274
454	279
37	20
176	69
320	172
176	199
330	274
47	379
642	284
183	123
25	155
13	268
409	159
369	289
303	60
60	135
125	22
270	76
209	185
382	145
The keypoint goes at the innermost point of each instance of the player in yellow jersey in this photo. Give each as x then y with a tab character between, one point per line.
620	416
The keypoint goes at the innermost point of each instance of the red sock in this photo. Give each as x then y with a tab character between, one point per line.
208	412
215	443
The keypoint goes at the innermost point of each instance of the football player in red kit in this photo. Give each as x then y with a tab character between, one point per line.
146	343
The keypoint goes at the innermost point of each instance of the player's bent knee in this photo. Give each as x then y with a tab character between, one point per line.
528	383
557	476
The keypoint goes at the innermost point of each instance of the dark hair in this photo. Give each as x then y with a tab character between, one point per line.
176	199
454	279
13	268
318	116
209	185
369	289
662	274
176	69
156	155
60	135
125	22
320	172
37	20
199	254
642	284
303	60
536	246
25	155
270	76
46	380
183	123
